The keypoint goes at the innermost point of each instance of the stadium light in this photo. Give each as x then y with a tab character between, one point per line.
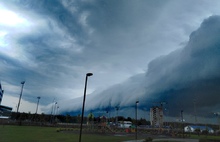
37	104
22	83
182	123
136	119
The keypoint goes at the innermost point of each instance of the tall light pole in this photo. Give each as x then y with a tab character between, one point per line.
117	108
195	110
84	99
55	108
51	118
22	86
182	122
55	112
107	116
58	110
37	104
218	119
136	118
161	118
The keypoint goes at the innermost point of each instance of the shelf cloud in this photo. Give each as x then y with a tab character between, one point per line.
187	79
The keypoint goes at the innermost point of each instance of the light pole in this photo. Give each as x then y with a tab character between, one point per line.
161	116
37	104
58	110
84	99
218	119
54	118
107	116
22	83
117	108
51	118
182	122
136	118
55	108
166	117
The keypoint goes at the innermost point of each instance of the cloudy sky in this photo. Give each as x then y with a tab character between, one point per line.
147	50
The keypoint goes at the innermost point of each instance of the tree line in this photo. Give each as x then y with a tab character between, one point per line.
67	118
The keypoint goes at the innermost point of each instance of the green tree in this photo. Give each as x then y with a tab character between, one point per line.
197	130
68	118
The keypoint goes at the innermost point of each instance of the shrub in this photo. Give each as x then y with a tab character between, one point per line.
149	139
205	132
58	129
197	131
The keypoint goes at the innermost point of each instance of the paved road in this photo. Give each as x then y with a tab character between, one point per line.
177	139
166	139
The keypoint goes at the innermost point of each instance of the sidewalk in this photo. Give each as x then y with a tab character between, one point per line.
176	139
167	139
135	141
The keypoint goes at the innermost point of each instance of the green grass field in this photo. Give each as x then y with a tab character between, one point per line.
48	134
205	138
9	133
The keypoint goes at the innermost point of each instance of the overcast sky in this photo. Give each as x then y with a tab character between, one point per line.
52	44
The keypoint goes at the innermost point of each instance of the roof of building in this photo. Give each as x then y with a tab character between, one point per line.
200	127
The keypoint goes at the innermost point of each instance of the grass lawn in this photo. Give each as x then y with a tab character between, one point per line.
204	138
48	134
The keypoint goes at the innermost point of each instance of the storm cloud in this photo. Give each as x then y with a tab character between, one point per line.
186	78
52	44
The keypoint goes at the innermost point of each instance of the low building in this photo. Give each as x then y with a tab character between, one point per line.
192	128
125	124
5	111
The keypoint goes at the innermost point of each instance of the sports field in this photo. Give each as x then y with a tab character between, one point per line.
48	134
14	133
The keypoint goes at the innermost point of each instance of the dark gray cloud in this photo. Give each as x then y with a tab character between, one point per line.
52	44
186	78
